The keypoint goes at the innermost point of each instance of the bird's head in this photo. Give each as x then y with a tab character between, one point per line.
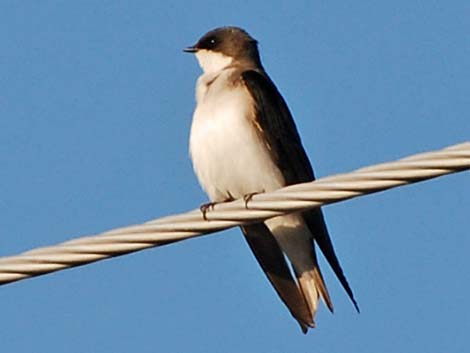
223	47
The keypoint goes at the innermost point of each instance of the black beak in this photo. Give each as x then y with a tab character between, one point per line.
192	49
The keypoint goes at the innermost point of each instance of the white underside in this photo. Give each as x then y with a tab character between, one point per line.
228	156
230	160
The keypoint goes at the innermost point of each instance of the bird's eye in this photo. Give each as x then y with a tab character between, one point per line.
211	42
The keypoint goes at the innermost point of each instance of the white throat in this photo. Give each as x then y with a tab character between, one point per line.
211	62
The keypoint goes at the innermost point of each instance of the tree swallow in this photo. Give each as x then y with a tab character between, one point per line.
244	141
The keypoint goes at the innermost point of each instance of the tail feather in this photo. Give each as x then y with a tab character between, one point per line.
309	291
316	224
313	287
295	236
272	261
321	287
296	240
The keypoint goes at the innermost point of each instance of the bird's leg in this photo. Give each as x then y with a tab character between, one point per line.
247	198
206	207
210	205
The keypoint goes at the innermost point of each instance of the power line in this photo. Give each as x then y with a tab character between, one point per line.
293	198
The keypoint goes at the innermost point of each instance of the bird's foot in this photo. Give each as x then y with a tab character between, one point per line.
247	198
206	207
210	205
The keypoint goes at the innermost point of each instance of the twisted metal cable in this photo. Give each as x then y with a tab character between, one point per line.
293	198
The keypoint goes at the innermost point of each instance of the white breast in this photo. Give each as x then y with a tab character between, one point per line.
228	157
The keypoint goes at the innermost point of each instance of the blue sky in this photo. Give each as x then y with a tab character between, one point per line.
95	109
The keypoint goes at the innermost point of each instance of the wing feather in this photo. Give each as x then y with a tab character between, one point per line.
275	122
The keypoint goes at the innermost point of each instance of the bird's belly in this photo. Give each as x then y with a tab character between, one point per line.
229	158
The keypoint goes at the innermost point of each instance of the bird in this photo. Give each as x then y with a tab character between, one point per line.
244	141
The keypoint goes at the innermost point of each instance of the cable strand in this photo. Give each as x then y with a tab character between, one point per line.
299	197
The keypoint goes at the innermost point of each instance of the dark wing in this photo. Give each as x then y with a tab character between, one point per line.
272	261
275	120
